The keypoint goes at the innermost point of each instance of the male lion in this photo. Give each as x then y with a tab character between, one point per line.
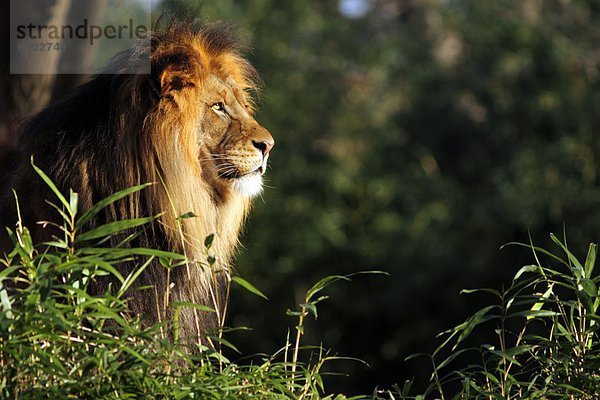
188	127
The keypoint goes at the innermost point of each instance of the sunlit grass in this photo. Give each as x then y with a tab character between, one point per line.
547	340
58	341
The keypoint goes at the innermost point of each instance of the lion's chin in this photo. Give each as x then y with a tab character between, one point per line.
249	185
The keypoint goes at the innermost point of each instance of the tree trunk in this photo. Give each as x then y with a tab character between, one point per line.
22	95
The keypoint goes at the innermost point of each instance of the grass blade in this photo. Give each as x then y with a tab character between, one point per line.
89	214
113	228
51	185
249	287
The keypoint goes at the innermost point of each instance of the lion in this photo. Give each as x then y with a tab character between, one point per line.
188	127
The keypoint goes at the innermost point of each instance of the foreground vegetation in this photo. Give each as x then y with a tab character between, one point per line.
546	324
58	341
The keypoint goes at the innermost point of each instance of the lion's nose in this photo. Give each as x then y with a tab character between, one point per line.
264	145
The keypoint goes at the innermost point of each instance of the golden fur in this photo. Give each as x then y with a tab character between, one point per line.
189	127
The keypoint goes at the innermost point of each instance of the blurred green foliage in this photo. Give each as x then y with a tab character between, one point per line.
414	137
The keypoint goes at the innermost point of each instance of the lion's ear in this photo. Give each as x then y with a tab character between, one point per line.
174	77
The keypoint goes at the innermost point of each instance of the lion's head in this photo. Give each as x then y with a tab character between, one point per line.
234	144
189	127
204	89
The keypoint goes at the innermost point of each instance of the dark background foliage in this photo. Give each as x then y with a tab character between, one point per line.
415	137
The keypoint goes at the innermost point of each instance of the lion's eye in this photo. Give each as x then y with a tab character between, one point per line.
218	107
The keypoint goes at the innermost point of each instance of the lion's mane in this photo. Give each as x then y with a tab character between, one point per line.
115	132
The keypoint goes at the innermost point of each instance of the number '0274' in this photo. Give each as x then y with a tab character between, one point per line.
48	46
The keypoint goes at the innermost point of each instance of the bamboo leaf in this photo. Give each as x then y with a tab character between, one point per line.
538	305
577	267
200	307
248	286
112	228
586	299
590	260
482	290
73	202
226	343
115	253
478	318
534	314
515	351
588	286
526	269
506	357
89	214
132	277
323	283
5	301
450	358
50	184
537	250
186	216
208	241
311	308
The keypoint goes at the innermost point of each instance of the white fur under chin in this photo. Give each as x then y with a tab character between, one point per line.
248	185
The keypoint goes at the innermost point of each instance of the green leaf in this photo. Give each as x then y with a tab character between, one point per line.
534	314
586	299
537	250
538	305
46	285
181	304
467	327
135	354
590	260
588	286
572	389
564	331
57	244
451	358
89	214
132	277
209	240
526	269
369	272
50	184
112	228
226	343
186	216
482	290
105	266
311	308
73	202
515	351
405	388
248	286
6	304
506	357
5	272
577	267
323	283
115	253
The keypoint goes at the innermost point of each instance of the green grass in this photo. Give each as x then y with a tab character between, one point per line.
57	341
547	339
